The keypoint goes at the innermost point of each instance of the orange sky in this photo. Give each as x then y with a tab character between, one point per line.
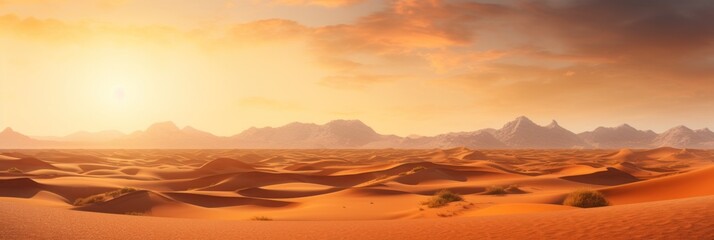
401	66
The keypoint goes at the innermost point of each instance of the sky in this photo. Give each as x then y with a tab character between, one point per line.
401	66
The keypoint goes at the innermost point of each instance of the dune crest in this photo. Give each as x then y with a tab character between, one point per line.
325	186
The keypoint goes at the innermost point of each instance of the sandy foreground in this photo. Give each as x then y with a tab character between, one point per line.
663	193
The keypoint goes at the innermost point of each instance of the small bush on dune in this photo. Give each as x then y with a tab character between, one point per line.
495	190
501	190
15	170
90	200
416	169
441	198
513	189
586	199
261	218
103	197
135	213
380	177
120	192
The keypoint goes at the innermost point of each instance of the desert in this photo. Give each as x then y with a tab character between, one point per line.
357	119
355	194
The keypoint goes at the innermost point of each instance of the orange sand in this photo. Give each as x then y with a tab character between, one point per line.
661	191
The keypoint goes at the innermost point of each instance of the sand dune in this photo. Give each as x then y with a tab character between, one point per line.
19	187
370	185
25	164
213	201
690	184
141	201
610	176
677	219
225	165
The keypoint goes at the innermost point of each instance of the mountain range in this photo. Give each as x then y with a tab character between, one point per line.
521	133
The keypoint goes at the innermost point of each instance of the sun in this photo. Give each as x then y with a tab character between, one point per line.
119	93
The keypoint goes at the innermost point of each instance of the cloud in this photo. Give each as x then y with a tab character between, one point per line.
58	32
355	81
627	30
580	55
323	3
101	4
409	25
268	30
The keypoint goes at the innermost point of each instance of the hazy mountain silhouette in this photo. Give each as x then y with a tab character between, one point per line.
523	133
9	139
85	136
168	135
623	136
519	133
684	137
478	139
334	134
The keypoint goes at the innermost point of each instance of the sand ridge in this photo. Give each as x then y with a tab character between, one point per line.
344	185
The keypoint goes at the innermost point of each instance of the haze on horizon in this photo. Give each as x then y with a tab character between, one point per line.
401	66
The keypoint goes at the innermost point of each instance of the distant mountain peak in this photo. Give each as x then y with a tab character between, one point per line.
8	130
680	128
524	133
626	126
553	124
167	126
195	132
346	121
523	119
705	130
189	128
519	122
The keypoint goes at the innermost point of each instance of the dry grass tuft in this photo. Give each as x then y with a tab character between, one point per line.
135	213
103	197
586	199
502	190
442	198
261	218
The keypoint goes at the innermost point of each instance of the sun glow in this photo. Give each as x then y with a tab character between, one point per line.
114	75
119	93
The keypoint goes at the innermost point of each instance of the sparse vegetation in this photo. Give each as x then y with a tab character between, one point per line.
495	190
586	199
103	197
15	170
416	169
412	171
501	190
442	198
261	218
135	213
380	177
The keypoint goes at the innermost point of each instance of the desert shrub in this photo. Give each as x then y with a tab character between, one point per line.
513	189
586	199
135	213
15	170
261	218
380	177
119	192
500	190
416	169
441	198
89	200
495	190
103	197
